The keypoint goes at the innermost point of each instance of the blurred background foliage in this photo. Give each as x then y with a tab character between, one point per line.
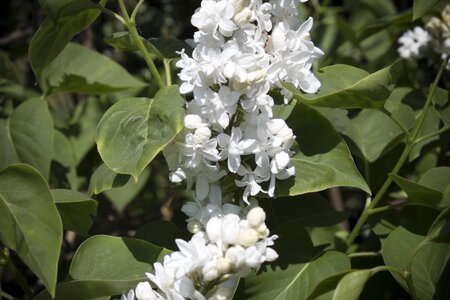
361	33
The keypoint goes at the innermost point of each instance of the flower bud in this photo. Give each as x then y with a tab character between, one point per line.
192	121
144	291
256	217
210	271
230	229
248	237
177	176
202	135
214	229
194	227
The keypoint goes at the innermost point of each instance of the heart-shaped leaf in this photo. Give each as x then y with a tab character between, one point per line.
133	131
30	224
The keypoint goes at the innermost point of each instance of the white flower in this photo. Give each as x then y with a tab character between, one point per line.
144	291
213	16
234	146
413	43
129	296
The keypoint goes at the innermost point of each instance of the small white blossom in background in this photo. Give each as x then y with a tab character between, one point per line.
414	43
423	42
244	51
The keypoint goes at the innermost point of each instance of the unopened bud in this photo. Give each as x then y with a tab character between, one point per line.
248	237
256	216
144	291
194	226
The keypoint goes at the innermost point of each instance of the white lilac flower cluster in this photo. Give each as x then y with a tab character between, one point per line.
244	50
424	42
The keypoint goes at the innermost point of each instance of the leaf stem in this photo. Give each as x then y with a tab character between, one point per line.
112	14
6	296
433	134
136	10
131	25
168	72
364	254
404	156
374	211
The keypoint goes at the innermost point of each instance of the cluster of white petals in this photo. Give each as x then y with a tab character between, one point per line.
423	42
232	148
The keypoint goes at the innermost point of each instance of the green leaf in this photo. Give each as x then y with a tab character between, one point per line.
421	7
357	89
107	266
418	194
89	289
30	224
63	150
114	258
54	7
160	48
10	81
82	132
105	179
133	131
323	289
297	271
310	210
441	103
76	210
427	262
351	285
438	179
51	38
122	196
430	125
440	229
364	130
322	158
161	233
27	136
81	70
400	21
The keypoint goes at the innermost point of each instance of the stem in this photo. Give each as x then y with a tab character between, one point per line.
430	97
136	10
168	73
112	14
410	142
364	254
391	269
374	211
6	296
433	134
131	25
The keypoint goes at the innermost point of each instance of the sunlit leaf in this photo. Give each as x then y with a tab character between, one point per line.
322	158
297	271
107	266
133	131
357	89
51	38
79	69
